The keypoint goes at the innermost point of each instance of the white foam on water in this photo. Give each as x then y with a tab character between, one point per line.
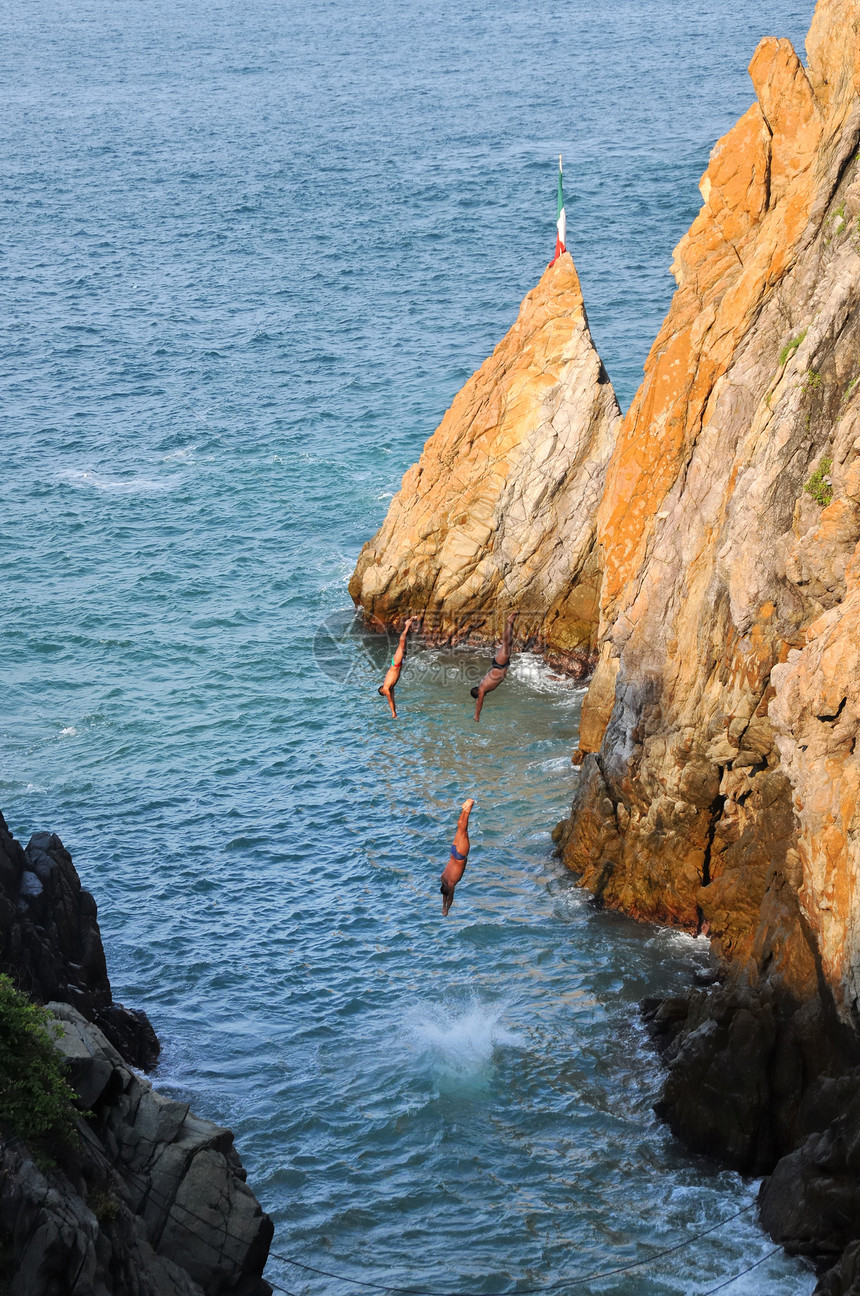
460	1046
69	732
85	479
528	668
556	764
681	942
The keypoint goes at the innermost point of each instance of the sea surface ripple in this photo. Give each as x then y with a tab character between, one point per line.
250	253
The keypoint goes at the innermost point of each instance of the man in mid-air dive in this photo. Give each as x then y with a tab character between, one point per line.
456	866
393	672
498	670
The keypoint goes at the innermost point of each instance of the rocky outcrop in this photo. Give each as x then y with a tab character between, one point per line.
811	1202
153	1203
498	514
50	944
750	1073
844	1278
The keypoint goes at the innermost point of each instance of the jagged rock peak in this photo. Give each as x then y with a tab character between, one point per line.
498	513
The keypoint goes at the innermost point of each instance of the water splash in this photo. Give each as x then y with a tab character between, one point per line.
459	1046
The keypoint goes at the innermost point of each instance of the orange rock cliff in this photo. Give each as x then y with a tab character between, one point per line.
499	512
705	550
717	564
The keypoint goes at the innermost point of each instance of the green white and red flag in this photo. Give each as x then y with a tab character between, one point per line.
561	220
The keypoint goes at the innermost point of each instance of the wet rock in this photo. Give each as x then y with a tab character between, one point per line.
717	1095
811	1202
664	1018
751	1074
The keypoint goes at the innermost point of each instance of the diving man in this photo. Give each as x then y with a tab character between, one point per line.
456	866
498	670
393	672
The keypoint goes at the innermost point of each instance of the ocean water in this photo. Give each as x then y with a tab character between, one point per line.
249	254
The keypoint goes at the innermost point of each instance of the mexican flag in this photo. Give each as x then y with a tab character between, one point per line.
561	221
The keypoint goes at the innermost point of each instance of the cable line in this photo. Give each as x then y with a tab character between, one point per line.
167	1204
563	1284
748	1269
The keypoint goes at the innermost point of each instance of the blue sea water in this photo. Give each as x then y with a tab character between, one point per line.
249	254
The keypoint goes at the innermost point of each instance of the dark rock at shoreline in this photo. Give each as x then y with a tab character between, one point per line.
153	1203
664	1018
50	943
771	1087
844	1278
811	1202
751	1074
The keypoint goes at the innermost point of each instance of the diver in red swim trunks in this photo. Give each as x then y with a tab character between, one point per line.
456	866
393	673
499	668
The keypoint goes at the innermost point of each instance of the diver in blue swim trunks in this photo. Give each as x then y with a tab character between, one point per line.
456	866
498	670
393	673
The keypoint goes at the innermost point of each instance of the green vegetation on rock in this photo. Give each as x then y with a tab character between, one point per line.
790	347
812	380
819	486
36	1101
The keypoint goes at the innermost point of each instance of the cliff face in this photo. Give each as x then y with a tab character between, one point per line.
499	512
719	788
703	551
720	740
719	781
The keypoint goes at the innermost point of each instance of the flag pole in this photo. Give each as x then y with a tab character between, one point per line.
561	218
